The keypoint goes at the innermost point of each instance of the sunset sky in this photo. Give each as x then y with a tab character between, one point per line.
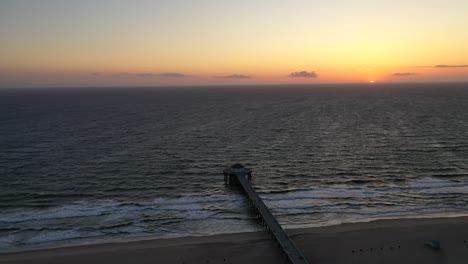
198	42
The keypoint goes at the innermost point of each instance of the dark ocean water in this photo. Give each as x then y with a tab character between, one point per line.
87	165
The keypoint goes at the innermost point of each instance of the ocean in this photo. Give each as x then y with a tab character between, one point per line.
81	166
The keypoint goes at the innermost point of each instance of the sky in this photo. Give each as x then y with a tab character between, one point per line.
203	42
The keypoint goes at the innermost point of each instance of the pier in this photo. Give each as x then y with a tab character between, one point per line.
241	176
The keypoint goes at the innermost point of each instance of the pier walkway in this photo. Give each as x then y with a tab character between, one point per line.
240	175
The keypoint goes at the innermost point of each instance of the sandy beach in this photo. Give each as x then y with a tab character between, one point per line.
380	241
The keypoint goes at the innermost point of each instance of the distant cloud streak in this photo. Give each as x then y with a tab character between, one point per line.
451	66
303	74
163	75
403	74
234	76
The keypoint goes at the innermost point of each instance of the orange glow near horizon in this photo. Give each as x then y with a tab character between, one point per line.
330	42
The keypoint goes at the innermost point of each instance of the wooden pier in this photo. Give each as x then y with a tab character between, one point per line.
241	176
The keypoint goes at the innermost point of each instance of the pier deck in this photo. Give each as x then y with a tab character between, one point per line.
269	221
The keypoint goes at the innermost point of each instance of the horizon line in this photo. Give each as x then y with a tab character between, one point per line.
228	85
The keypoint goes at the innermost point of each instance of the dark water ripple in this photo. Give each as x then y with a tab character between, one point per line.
100	164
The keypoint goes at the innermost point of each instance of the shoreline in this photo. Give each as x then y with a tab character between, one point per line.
373	241
91	242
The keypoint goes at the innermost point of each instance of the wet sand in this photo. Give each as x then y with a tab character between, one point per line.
381	241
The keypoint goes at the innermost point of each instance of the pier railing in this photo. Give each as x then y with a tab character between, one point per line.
240	175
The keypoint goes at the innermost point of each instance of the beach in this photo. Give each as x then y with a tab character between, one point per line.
380	241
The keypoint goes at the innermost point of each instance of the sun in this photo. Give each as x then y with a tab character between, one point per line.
371	82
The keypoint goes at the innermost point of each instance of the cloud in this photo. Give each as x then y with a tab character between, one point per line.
303	74
164	75
234	76
451	66
402	74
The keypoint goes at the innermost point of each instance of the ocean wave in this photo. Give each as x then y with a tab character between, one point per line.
113	208
434	185
61	235
209	215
